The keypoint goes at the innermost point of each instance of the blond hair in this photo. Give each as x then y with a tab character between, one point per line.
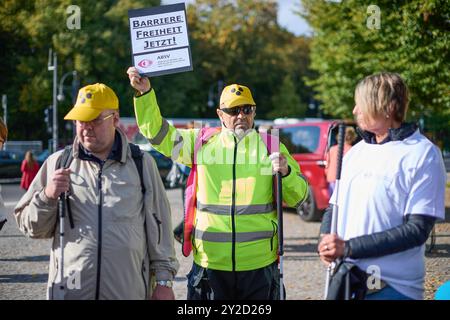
384	94
29	158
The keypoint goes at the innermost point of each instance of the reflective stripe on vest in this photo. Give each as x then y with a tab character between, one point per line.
226	210
227	237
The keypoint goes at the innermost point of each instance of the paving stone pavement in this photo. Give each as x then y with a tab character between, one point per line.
24	262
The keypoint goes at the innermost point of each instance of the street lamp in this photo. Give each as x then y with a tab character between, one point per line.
61	82
211	95
53	66
5	108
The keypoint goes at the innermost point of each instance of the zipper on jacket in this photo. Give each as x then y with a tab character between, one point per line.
233	210
143	279
99	246
158	223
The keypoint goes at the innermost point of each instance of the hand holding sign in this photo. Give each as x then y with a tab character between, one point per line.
141	84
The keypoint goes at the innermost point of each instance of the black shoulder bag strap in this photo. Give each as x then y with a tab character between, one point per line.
137	156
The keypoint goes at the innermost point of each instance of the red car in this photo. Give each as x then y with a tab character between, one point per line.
306	140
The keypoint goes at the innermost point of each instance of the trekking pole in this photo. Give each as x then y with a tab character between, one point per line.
334	217
280	231
59	294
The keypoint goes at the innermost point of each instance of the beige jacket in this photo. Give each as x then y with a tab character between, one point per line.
116	245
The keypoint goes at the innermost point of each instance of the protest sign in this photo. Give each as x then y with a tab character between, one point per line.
159	40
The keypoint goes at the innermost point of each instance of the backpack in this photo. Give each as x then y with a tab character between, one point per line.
66	158
190	194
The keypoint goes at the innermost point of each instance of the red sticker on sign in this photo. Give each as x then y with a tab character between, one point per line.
145	63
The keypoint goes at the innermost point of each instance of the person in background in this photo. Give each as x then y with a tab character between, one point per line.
3	136
331	157
29	169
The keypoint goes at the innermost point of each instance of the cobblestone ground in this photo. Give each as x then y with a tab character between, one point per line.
23	262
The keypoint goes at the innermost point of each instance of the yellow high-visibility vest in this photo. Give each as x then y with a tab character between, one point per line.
236	224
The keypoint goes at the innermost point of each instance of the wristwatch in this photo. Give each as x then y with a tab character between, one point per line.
164	283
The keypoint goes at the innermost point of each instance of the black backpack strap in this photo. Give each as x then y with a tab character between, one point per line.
137	155
64	161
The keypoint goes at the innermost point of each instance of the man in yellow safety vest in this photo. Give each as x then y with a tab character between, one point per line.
235	228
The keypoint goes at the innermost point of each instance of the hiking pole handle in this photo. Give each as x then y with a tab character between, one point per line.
340	156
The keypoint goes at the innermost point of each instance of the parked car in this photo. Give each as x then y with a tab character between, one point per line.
10	162
307	142
163	163
41	157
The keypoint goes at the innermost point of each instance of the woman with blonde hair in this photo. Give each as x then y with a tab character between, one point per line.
391	192
3	136
29	169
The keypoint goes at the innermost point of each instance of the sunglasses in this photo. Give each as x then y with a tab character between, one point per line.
247	109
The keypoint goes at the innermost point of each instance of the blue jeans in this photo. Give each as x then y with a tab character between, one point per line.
387	293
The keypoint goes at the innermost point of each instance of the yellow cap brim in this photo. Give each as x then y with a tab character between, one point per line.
237	102
83	114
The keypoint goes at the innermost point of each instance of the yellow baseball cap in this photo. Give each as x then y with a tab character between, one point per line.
91	101
236	95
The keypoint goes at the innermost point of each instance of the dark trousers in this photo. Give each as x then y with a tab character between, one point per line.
259	284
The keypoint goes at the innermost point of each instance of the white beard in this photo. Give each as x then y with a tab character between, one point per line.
241	133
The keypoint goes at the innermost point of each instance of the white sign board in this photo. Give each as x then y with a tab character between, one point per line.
159	40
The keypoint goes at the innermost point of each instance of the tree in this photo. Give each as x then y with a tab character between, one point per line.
412	40
241	42
99	51
231	41
286	102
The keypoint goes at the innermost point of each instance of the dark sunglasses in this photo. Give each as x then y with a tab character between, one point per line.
247	109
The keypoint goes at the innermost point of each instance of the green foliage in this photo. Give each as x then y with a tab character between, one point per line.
413	40
99	51
231	41
286	102
235	42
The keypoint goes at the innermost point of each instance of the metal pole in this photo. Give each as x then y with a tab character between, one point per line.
59	288
334	217
280	231
5	108
55	102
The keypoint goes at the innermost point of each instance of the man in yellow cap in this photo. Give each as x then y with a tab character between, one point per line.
116	232
234	240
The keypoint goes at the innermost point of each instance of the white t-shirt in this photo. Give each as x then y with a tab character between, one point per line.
382	183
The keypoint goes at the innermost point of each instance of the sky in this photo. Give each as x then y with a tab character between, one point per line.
286	17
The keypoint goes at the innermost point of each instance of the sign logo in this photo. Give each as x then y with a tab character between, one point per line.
145	63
